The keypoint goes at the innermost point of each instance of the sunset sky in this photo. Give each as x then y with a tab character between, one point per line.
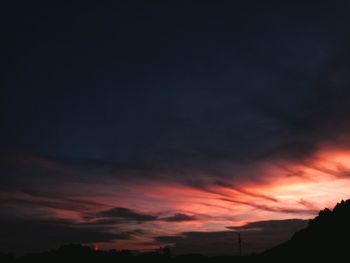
140	124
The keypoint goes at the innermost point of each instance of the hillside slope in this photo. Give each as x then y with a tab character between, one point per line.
328	234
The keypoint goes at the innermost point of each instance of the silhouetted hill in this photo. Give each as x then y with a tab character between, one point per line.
327	235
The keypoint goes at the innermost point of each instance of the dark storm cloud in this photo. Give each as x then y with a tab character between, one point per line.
35	171
126	213
292	225
256	236
183	93
29	235
104	222
179	218
122	214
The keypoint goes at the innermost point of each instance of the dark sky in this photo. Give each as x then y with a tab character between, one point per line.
190	97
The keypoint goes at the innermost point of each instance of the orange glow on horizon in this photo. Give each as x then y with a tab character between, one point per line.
270	190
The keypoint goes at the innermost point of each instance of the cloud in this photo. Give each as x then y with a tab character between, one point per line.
243	191
49	200
126	213
178	217
29	235
209	243
259	201
118	214
281	209
292	225
256	237
308	204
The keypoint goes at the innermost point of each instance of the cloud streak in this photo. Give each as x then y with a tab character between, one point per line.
125	213
178	217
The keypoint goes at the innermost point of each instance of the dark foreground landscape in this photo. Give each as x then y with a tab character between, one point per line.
325	237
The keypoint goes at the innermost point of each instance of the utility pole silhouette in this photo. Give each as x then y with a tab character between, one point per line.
239	244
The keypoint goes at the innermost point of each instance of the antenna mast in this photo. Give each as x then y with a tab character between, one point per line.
240	244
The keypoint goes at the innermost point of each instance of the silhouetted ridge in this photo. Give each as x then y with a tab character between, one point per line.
326	235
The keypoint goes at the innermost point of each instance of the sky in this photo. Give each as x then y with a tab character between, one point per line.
140	124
